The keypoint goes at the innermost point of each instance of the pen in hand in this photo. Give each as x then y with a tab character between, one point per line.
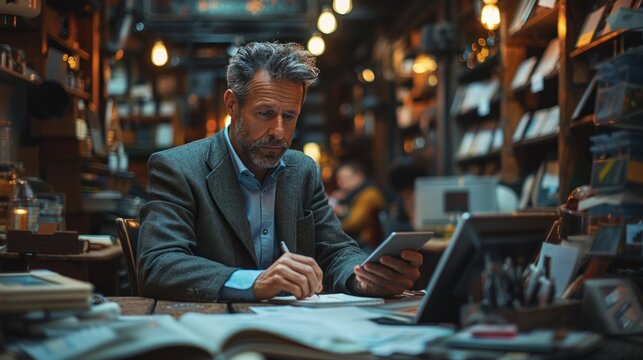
283	247
285	250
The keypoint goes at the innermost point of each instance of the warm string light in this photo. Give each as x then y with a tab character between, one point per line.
342	7
479	50
159	53
490	15
327	22
316	45
368	75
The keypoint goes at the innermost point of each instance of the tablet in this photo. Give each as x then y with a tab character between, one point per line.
42	290
398	241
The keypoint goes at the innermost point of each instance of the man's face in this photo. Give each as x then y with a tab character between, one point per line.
263	128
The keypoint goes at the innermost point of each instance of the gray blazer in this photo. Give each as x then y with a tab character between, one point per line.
195	232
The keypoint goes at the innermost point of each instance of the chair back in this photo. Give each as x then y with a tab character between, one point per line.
127	230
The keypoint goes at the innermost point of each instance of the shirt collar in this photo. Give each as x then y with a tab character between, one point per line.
240	167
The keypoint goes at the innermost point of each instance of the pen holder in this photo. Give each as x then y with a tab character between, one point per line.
556	315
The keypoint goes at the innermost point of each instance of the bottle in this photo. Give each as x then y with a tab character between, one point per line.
23	208
7	173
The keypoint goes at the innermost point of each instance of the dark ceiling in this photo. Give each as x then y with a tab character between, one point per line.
187	25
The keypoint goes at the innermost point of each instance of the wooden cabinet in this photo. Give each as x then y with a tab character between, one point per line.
61	49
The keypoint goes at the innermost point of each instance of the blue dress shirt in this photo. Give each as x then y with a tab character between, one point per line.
259	200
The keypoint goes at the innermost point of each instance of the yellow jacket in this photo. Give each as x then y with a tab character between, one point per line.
362	219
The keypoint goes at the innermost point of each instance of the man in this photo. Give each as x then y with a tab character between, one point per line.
220	206
360	204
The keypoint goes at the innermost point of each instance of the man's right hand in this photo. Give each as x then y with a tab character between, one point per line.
292	273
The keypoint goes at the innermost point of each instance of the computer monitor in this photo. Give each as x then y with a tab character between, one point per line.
438	200
517	235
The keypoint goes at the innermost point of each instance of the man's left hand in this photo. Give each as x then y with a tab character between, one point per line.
391	276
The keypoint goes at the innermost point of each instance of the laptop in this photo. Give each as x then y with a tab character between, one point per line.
459	267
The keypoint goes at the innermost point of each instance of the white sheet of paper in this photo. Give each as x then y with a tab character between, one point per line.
564	263
547	3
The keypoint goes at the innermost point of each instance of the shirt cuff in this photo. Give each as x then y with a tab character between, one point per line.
239	285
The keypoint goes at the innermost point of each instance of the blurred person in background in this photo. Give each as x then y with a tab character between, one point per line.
357	202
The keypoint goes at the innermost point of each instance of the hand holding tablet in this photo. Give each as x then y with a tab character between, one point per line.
397	242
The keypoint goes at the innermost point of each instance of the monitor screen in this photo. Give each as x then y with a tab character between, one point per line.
516	235
439	200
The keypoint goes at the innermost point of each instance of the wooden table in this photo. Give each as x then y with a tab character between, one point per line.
133	305
99	267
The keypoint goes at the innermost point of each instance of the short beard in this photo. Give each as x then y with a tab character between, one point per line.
252	148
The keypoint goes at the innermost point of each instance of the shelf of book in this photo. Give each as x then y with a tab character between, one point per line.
22	77
481	71
539	141
585	122
605	39
537	29
68	45
493	155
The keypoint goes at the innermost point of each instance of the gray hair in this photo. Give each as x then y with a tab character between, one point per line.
289	62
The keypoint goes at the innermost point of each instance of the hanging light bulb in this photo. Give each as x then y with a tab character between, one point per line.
327	22
368	75
342	7
159	53
316	45
490	15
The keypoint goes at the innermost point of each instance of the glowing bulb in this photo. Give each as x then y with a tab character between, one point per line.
342	7
327	22
159	54
432	80
424	63
227	120
316	45
313	150
368	75
490	17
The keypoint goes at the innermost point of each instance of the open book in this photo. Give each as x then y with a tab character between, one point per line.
299	334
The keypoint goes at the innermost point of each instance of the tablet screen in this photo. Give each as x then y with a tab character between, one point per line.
23	280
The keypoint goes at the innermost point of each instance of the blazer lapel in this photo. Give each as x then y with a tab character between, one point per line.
285	208
224	189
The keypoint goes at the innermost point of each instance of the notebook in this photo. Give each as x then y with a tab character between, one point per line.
326	300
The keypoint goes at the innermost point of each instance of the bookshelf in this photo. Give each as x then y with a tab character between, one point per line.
476	105
61	46
579	68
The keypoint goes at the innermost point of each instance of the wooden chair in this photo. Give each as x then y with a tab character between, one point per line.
127	230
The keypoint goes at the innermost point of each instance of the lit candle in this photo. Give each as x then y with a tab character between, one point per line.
20	219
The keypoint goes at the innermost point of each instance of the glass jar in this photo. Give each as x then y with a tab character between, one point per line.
5	56
7	173
23	208
19	60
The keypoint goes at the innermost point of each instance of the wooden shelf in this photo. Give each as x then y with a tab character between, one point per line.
71	47
480	72
540	27
26	78
490	156
551	79
584	122
543	140
82	94
597	43
471	116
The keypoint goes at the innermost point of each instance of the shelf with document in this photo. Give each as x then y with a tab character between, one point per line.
534	21
536	114
476	108
603	60
604	28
